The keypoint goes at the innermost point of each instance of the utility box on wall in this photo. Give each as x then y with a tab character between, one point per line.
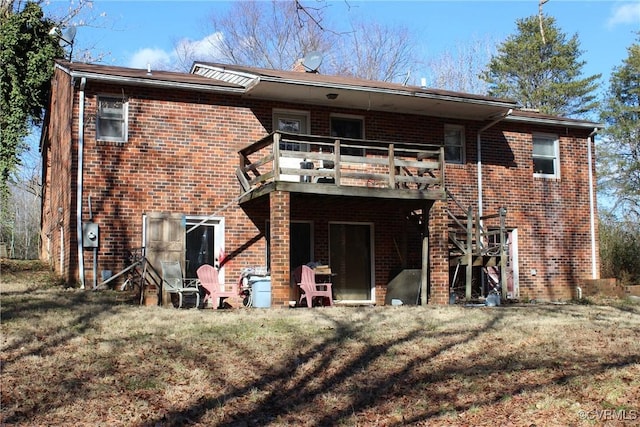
90	235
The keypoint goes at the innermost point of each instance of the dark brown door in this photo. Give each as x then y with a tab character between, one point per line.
350	260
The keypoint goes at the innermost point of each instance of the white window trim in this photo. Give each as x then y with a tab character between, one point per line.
279	112
125	113
556	153
282	113
463	144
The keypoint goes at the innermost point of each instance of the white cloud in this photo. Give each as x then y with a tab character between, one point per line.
206	48
185	51
628	13
157	58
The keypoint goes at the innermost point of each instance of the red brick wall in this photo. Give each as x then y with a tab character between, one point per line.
280	203
180	157
438	248
182	153
551	215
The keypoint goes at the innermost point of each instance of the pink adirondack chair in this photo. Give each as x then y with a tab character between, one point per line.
306	279
208	276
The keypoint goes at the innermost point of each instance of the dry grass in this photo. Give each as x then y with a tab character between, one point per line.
72	357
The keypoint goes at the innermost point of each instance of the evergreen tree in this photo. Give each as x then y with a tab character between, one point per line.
619	148
542	72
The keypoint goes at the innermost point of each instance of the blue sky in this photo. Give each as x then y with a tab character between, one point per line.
134	33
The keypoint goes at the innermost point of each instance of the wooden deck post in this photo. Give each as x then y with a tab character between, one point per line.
392	168
503	253
336	162
469	255
275	149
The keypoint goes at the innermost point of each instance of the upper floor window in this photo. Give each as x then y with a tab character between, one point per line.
111	123
351	127
454	143
291	122
546	155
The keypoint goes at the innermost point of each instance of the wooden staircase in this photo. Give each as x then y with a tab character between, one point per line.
476	241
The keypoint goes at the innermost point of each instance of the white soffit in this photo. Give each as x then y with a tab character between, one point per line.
400	100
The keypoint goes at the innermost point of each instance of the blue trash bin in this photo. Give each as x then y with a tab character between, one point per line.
261	293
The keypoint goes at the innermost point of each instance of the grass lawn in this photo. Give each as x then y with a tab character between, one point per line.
73	357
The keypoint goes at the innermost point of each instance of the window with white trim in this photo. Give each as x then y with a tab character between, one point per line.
454	144
292	122
546	156
111	121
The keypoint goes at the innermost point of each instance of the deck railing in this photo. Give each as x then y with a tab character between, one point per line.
312	159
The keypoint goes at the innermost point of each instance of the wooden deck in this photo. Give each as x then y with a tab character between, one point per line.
343	167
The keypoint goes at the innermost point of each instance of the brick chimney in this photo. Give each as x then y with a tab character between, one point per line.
299	67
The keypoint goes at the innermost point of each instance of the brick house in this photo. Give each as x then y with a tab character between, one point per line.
401	190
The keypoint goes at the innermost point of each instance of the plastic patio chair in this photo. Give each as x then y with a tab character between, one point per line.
209	280
306	279
174	282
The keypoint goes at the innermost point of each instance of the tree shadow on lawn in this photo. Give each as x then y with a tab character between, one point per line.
294	389
42	336
415	382
84	306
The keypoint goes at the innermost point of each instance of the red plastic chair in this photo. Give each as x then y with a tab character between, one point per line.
306	279
208	276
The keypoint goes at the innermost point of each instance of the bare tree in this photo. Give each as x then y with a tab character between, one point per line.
187	51
271	34
459	68
375	51
21	222
277	34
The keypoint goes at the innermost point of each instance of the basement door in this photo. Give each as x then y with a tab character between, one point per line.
350	255
164	239
204	244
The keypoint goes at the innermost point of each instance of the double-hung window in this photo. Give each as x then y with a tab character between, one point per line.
454	144
546	156
111	122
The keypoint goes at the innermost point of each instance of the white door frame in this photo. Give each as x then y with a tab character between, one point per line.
303	117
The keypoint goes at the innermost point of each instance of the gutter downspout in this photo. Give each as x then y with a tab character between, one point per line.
592	207
479	161
83	82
